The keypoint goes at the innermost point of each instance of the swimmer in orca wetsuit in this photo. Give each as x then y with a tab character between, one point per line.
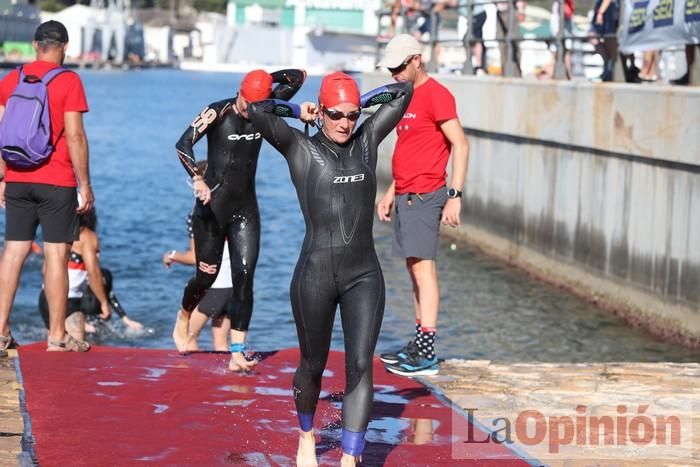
227	207
334	175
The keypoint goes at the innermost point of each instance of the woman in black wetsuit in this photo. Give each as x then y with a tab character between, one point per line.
334	175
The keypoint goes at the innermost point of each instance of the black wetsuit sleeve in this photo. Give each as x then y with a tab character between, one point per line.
111	296
265	116
204	122
116	306
288	83
394	99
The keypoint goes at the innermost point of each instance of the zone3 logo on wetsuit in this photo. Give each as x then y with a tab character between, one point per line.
349	178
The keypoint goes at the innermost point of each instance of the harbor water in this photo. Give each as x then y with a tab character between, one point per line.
488	310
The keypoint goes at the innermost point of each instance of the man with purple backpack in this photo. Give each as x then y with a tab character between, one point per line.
44	158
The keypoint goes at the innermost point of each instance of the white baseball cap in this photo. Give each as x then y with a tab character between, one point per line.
399	49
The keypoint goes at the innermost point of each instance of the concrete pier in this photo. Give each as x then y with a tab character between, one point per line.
493	391
11	422
593	187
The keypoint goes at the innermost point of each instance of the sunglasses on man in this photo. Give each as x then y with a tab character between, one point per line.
401	67
337	114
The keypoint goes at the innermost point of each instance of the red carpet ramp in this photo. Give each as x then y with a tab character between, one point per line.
125	406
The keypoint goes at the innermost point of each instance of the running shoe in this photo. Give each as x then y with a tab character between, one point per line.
400	355
415	365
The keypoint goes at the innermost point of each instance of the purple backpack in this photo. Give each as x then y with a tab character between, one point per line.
25	128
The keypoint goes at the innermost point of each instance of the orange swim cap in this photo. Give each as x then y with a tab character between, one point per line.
256	86
338	88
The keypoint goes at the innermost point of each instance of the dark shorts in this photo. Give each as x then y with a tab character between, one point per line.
610	20
29	205
215	302
417	224
478	25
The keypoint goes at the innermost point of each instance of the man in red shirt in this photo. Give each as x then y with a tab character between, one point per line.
46	195
419	195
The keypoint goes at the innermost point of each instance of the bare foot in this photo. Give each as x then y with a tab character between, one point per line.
182	324
349	461
240	363
191	344
306	453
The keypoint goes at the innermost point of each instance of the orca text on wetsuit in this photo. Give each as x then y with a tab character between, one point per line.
336	188
233	146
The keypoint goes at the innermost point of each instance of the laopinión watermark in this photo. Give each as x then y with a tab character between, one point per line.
661	429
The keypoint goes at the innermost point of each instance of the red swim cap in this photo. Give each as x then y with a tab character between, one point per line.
256	86
338	88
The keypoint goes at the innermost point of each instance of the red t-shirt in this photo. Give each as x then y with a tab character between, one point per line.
568	9
422	150
66	94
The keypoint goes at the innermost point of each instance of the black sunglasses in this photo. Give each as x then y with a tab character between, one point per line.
337	114
401	67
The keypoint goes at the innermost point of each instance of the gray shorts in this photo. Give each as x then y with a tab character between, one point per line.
417	224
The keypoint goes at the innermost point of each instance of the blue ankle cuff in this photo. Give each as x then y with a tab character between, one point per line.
306	421
353	442
238	347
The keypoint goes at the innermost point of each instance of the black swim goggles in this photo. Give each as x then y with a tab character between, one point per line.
337	114
402	67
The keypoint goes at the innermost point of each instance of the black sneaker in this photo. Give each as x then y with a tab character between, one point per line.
396	357
682	81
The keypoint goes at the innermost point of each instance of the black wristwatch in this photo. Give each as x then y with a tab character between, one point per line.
453	193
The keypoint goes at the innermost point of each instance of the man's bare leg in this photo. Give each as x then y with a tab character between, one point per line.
414	285
238	361
56	287
427	299
182	325
11	262
306	452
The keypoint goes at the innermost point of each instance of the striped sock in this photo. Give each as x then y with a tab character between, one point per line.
426	342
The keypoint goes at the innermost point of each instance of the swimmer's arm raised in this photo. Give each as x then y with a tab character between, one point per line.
265	116
394	99
288	81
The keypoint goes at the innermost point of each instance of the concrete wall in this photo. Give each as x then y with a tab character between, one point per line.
593	187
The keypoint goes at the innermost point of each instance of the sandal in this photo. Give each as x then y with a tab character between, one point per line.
7	342
68	344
